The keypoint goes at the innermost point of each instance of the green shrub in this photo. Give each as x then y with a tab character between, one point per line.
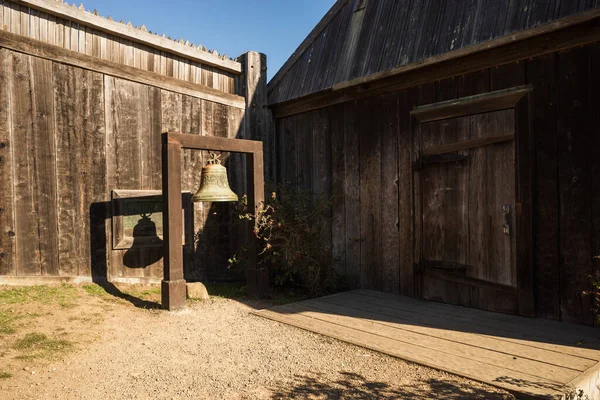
294	234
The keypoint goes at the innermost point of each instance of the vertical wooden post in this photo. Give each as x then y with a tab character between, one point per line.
257	278
258	121
173	287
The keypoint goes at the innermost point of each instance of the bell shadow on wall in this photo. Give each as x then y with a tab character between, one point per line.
139	255
136	224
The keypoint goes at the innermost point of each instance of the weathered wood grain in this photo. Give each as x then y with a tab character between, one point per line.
290	155
22	122
36	99
352	184
191	169
390	220
369	131
81	174
338	197
521	356
423	95
124	155
406	101
8	264
303	147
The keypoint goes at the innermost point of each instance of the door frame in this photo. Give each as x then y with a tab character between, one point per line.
519	100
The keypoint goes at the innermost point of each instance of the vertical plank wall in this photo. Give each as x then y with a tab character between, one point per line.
68	137
371	185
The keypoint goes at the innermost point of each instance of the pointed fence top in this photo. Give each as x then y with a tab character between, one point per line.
181	47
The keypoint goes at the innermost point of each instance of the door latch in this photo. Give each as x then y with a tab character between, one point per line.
505	213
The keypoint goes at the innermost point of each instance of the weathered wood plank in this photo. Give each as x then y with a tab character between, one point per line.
506	77
433	198
338	176
574	184
468	144
123	152
35	190
418	321
369	131
81	174
472	369
290	152
377	324
8	263
405	193
349	45
191	165
390	223
423	95
536	333
352	194
304	153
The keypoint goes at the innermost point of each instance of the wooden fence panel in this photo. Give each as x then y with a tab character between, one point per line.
72	35
37	172
80	162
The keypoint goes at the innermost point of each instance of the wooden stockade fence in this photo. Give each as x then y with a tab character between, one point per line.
73	28
83	102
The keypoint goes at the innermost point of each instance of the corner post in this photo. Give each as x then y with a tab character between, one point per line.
258	119
173	287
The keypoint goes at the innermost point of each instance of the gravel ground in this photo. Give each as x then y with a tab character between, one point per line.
217	350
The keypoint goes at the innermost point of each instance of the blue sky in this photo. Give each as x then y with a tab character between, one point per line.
273	27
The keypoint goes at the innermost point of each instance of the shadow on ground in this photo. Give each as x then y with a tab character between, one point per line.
136	301
356	387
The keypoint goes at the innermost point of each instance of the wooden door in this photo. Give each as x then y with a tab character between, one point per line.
467	222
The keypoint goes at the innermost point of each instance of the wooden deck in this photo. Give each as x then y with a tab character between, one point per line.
532	357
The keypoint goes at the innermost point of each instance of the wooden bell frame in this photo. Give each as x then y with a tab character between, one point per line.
173	286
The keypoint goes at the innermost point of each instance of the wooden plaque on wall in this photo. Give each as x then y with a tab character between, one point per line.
137	218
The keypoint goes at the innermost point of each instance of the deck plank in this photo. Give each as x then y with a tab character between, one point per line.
543	388
577	343
517	322
526	356
360	321
423	326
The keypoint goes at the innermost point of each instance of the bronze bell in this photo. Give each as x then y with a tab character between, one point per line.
214	185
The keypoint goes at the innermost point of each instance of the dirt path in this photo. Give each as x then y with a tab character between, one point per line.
217	350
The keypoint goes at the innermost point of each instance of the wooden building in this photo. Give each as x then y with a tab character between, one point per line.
459	141
83	102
